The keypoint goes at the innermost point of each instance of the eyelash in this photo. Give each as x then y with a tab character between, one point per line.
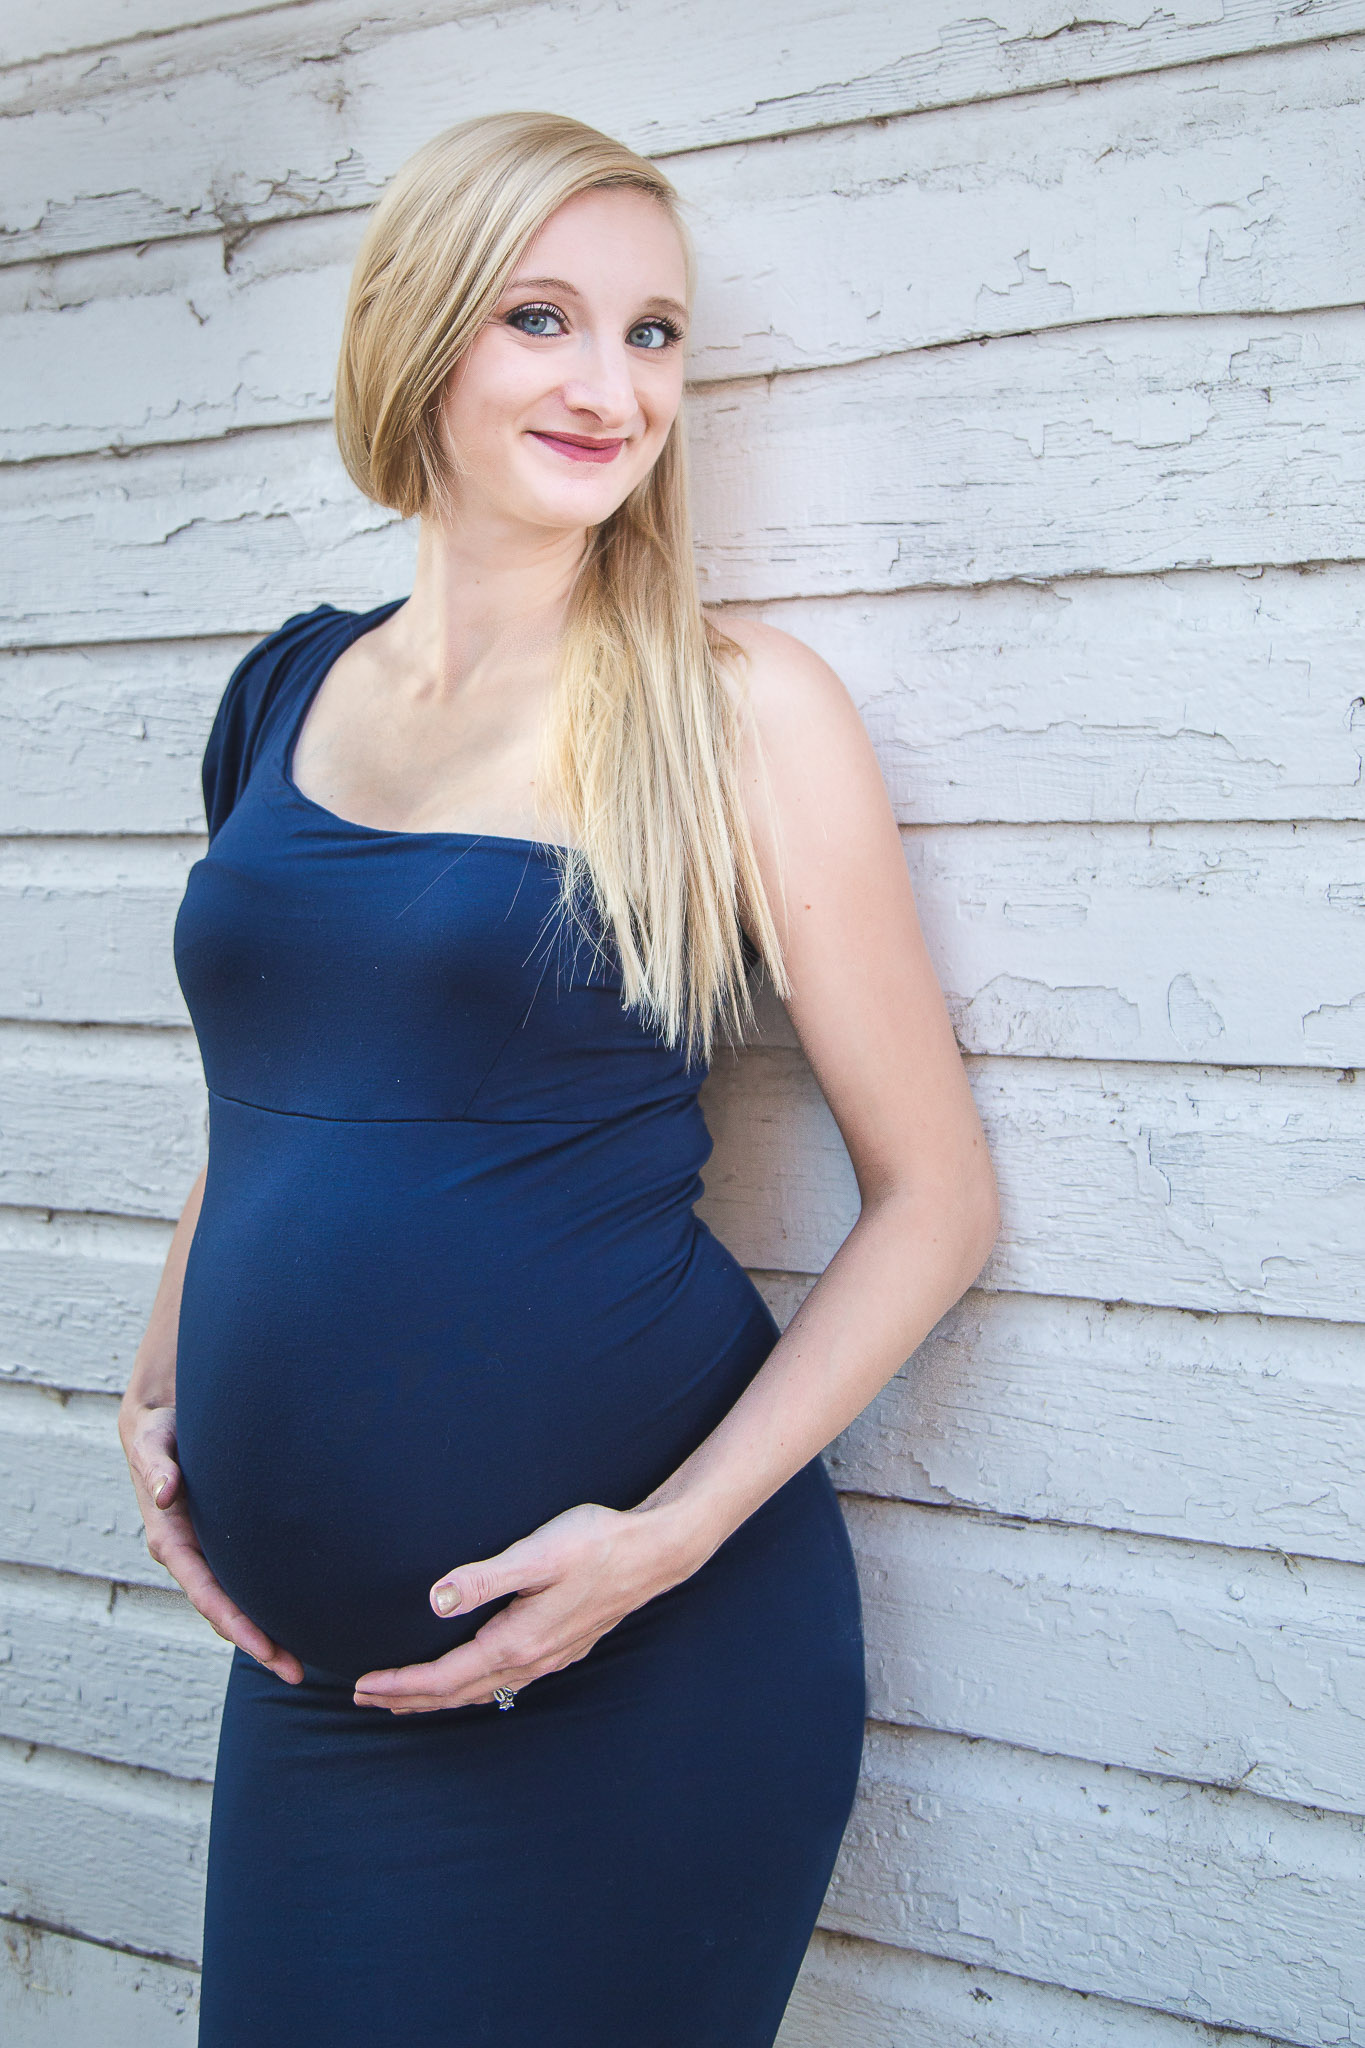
670	327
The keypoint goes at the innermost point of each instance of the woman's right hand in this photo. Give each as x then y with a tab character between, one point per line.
149	1444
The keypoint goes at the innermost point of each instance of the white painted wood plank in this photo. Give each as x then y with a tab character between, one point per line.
1129	449
1244	946
1110	1417
130	1676
313	109
1212	695
1188	1188
1237	946
869	1996
103	1851
56	1992
1218	1666
66	1501
29	35
1148	196
75	1295
1101	1879
110	739
1124	1418
133	1100
1198	695
1211	1905
86	929
1125	449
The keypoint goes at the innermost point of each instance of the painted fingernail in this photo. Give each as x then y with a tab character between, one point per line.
162	1483
447	1600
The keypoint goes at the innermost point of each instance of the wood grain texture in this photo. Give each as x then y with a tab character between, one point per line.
115	1853
1149	196
869	1996
55	1990
1198	695
1131	449
1196	1902
312	109
1168	1185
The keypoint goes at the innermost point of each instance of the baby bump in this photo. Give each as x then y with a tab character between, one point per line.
403	1346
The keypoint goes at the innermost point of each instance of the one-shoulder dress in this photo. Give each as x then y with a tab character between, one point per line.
447	1281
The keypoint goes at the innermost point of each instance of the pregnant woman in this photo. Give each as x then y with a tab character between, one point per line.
546	1710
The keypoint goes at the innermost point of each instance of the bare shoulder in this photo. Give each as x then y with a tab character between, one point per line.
791	691
809	766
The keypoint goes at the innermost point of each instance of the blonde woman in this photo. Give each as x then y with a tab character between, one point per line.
546	1712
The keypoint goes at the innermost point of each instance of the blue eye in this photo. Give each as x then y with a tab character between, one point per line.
525	314
667	332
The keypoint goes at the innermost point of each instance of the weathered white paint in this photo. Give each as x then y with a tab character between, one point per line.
1103	1416
1096	1878
1119	1417
1215	1666
856	1992
1193	1187
1211	695
1194	1901
1199	1187
1081	943
75	1294
224	127
1111	1551
1138	200
56	1990
27	36
1143	447
132	1676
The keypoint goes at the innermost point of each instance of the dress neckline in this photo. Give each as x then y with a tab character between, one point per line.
357	625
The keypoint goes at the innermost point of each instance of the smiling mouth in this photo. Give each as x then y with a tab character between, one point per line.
579	447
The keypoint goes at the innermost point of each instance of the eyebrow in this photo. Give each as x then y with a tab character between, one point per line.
561	284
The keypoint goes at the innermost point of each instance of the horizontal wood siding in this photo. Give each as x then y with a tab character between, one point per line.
1027	386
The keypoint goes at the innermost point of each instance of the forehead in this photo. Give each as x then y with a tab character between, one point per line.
612	235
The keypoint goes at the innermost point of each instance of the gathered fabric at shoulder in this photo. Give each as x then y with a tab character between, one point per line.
253	692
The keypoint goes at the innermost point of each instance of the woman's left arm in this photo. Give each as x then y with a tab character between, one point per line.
871	1019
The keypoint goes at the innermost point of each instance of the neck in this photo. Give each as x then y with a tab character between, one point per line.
485	600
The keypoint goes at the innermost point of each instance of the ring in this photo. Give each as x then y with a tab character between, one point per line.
505	1697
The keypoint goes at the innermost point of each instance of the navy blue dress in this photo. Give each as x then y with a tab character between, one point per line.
447	1281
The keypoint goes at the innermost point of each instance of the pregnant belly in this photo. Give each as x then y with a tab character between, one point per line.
403	1346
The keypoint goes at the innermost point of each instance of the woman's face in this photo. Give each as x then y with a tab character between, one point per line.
565	398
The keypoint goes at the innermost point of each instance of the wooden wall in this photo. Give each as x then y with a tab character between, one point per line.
1030	389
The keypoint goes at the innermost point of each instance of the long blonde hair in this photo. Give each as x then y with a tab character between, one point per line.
642	747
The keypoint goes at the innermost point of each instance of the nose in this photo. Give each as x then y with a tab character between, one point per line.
602	381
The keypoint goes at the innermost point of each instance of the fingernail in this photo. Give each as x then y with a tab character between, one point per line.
162	1483
446	1600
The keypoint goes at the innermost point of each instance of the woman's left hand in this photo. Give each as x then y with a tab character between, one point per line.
574	1579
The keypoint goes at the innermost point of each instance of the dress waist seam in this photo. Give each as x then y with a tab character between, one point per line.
490	1122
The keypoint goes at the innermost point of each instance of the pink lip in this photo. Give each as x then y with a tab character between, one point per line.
579	448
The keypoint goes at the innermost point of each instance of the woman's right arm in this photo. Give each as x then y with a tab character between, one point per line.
146	1427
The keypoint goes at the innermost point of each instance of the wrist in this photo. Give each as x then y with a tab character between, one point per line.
684	1533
